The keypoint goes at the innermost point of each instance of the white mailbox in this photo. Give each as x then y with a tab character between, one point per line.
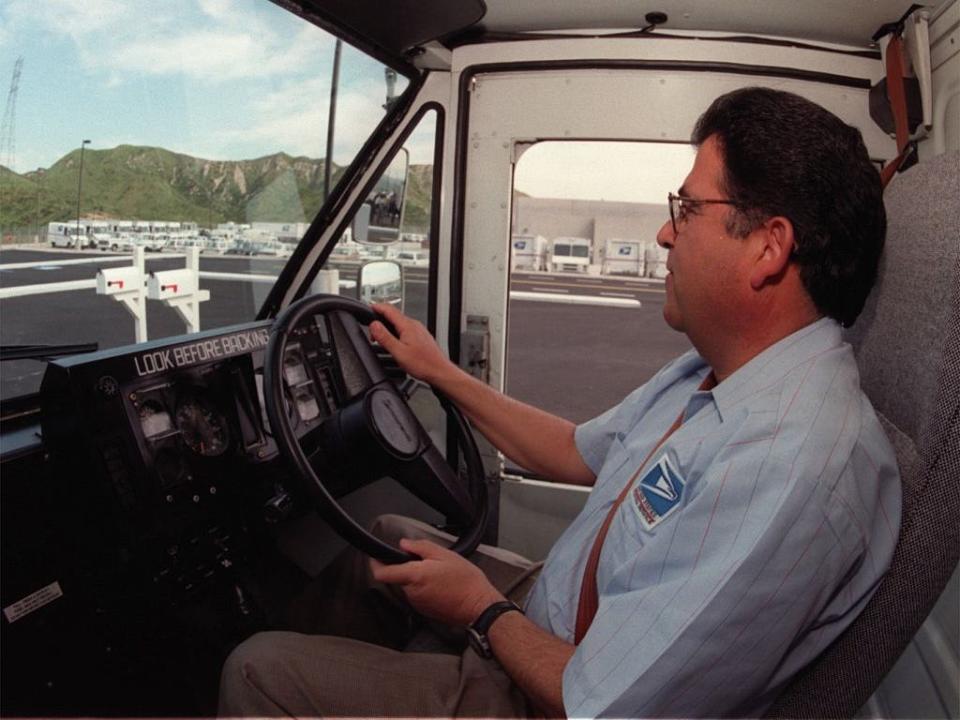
169	284
119	280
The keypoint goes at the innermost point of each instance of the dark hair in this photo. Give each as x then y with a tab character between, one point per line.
784	155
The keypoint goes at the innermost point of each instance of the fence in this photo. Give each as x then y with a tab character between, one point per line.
130	284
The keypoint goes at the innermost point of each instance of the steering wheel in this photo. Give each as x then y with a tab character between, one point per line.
374	433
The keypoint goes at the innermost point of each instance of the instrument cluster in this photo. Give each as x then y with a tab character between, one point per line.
181	422
201	426
186	420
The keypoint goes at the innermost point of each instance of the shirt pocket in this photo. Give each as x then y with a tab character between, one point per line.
755	430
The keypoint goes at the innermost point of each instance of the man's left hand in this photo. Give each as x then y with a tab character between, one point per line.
441	585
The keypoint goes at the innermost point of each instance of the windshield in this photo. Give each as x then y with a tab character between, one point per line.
193	132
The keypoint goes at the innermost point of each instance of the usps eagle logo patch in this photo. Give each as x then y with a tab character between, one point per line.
658	493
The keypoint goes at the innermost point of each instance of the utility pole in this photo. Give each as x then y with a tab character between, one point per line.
79	188
331	119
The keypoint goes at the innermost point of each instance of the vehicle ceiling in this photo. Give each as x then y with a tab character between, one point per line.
392	27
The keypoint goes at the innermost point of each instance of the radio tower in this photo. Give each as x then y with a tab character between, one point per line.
8	145
7	141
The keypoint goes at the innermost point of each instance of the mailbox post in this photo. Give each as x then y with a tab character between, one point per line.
125	284
180	289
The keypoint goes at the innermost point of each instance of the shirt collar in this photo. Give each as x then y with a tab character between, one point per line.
771	365
700	398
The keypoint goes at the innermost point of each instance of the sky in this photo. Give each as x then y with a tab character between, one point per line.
218	79
641	172
240	79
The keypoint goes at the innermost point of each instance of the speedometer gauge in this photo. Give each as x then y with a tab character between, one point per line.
203	429
154	419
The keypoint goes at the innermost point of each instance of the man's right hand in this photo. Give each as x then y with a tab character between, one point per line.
413	348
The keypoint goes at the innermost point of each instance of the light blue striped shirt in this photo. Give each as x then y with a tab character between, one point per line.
751	539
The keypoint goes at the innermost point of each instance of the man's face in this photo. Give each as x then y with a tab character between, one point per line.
705	264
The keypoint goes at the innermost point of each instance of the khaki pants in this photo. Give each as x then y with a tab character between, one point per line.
296	674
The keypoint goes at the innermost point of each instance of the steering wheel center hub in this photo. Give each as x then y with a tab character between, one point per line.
392	422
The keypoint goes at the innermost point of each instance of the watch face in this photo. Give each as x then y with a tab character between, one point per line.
479	643
477	632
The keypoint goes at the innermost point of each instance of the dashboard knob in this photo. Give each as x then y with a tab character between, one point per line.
277	508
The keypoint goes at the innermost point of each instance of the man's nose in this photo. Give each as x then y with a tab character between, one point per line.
665	236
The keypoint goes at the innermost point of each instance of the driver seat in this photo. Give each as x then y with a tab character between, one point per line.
908	346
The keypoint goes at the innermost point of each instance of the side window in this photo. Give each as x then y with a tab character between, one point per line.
394	224
587	277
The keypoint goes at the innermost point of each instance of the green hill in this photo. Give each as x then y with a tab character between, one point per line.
23	202
131	182
416	214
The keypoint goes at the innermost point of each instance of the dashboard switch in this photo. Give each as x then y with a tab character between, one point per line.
277	508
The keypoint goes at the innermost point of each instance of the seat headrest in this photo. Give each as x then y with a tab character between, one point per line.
900	336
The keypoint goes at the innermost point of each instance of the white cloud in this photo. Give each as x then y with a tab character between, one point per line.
218	55
295	95
294	119
613	171
224	42
74	18
206	55
217	9
220	79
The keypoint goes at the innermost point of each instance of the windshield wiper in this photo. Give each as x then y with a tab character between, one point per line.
44	352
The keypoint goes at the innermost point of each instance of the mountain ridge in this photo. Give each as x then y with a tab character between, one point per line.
144	182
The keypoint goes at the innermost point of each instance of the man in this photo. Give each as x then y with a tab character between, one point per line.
745	501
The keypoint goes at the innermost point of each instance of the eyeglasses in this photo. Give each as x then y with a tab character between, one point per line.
680	206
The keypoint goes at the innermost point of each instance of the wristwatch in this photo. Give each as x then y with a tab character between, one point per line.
477	632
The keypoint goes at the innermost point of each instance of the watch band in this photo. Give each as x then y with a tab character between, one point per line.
477	631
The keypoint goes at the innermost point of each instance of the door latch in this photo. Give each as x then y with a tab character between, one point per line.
475	347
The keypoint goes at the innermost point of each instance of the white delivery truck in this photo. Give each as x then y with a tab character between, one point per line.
528	252
570	254
624	257
68	235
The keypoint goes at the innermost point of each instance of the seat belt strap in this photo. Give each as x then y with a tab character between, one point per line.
589	595
896	94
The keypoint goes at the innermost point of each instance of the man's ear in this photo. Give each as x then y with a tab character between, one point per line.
775	242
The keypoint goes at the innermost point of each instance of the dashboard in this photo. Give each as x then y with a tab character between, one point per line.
158	513
170	447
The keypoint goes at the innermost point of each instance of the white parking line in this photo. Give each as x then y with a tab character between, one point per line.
616	294
575	299
549	290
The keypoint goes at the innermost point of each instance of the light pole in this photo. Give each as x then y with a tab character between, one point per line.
79	188
39	234
331	119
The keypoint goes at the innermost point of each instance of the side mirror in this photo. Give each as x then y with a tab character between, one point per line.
379	219
381	281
